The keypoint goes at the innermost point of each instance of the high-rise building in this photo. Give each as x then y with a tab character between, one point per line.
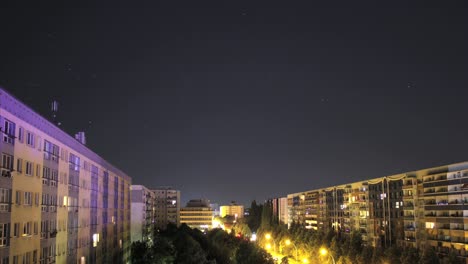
197	214
59	201
233	209
424	208
280	209
167	207
143	213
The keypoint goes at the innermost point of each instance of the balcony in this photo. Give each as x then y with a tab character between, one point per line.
410	228
408	217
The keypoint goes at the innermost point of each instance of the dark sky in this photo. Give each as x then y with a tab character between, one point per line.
242	100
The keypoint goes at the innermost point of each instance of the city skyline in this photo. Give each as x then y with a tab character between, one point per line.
289	98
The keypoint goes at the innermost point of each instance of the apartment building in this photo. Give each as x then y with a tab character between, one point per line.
197	214
233	209
59	201
143	213
280	209
167	207
425	208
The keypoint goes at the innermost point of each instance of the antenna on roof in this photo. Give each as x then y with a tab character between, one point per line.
54	109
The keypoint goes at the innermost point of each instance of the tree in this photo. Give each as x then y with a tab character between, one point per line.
393	254
429	256
140	253
251	254
240	227
163	252
451	258
254	218
188	250
409	255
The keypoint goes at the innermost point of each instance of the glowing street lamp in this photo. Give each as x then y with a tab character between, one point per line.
268	246
268	237
288	243
305	261
324	252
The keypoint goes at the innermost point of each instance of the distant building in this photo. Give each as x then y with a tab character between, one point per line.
215	208
424	208
197	214
143	213
280	209
233	209
167	207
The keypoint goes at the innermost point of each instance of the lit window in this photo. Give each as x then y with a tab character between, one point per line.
430	225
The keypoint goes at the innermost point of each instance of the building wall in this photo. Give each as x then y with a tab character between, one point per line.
232	210
167	207
420	208
46	211
283	210
143	213
197	217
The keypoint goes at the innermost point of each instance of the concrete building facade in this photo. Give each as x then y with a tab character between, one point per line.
167	207
425	208
59	201
143	213
197	214
233	209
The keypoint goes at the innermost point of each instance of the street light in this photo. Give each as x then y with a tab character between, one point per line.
288	242
323	251
268	237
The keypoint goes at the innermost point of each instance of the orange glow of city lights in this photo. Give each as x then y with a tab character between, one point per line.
323	251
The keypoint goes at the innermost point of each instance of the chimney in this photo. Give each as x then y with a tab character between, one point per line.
80	136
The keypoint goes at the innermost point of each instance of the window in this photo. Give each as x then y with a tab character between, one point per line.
430	225
4	235
44	228
15	259
21	134
27	258
36	199
38	170
35	228
27	230
74	162
28	198
45	175
8	131
7	161
16	230
18	197
4	199
19	165
29	168
51	151
30	139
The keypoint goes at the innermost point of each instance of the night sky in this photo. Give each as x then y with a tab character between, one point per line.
236	100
